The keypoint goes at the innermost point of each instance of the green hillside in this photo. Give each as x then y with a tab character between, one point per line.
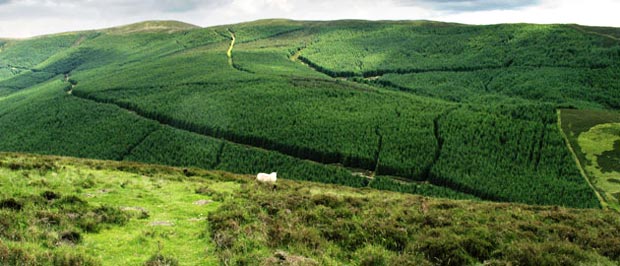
431	108
67	211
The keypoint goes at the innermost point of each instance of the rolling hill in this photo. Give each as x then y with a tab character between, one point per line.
422	107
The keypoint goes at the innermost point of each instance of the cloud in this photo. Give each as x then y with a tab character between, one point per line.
176	6
469	5
125	6
23	18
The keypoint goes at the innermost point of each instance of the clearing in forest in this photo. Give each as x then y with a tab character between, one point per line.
595	138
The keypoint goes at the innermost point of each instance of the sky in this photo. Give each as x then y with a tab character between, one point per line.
26	18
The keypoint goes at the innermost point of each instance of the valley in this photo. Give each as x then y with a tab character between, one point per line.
270	105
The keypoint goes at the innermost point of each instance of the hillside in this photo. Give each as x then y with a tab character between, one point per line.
430	108
67	211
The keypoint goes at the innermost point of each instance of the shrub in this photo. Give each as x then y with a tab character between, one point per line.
161	260
327	200
371	255
445	250
11	204
71	237
50	195
528	253
15	256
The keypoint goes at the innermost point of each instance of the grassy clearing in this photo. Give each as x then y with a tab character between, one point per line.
601	146
595	137
156	213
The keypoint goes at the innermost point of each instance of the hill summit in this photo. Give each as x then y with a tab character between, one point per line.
168	26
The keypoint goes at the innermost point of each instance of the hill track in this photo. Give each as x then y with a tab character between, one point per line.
595	33
229	54
230	48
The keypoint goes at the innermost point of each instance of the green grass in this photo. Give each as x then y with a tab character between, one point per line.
145	199
600	146
67	211
594	137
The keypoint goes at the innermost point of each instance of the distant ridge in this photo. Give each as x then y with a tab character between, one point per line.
152	26
170	26
162	26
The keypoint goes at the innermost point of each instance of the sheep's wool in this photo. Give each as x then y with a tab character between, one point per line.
262	177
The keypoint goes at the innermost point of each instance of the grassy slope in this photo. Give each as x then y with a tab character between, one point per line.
86	212
268	101
152	211
594	137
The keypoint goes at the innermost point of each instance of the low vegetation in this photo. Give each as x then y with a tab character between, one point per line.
61	211
66	211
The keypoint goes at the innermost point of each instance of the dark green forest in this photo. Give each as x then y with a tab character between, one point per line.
431	108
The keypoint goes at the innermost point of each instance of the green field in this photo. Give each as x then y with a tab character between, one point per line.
431	108
67	211
595	136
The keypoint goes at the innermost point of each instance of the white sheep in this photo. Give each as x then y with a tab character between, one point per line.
262	177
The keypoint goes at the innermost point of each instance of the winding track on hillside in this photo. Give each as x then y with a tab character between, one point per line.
230	48
595	33
19	68
229	53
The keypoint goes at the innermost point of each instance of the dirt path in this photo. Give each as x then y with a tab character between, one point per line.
12	67
296	55
230	48
596	33
602	201
229	53
72	85
79	41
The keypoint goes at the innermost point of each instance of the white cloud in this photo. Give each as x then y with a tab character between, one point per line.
595	13
22	18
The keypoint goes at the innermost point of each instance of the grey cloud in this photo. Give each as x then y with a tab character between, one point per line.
126	6
175	6
469	5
